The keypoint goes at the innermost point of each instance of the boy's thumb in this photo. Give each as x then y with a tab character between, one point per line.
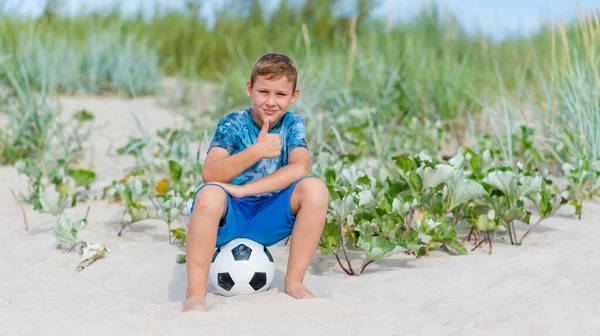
265	127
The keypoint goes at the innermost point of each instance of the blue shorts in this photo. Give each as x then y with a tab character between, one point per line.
265	220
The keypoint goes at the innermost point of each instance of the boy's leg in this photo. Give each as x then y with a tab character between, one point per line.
309	202
210	207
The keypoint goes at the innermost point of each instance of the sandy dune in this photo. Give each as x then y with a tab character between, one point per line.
548	286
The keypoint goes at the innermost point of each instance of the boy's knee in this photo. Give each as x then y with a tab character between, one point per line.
314	191
210	197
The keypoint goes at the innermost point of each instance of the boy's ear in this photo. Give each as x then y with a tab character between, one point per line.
295	96
249	89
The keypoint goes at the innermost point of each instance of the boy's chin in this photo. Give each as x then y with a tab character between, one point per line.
272	118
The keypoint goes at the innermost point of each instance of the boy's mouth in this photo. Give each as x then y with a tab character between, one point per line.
270	112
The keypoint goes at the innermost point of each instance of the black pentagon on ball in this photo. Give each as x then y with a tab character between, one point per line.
241	252
216	254
259	280
268	254
225	281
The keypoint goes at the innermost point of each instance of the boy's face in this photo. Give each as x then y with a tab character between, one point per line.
270	98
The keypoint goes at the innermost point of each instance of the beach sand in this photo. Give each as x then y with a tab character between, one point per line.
548	286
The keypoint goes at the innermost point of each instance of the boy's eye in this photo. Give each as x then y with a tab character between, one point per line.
281	94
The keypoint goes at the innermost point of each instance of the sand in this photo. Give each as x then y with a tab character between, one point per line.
548	286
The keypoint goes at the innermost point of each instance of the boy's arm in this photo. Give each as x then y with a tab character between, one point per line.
298	166
221	167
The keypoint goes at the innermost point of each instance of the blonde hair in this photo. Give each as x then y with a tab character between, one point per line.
274	66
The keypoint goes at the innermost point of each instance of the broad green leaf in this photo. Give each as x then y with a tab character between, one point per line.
364	180
457	161
351	174
474	160
343	207
424	157
484	223
330	176
66	230
556	202
529	184
377	247
432	177
51	201
365	197
486	160
127	194
400	208
425	226
82	177
175	171
138	213
463	190
415	181
403	163
503	181
179	233
366	228
454	244
136	188
330	238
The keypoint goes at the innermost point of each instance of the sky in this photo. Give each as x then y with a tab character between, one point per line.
497	18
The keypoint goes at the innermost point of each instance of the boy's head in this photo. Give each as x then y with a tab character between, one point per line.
272	87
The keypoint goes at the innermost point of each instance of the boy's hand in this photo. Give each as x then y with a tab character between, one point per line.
269	144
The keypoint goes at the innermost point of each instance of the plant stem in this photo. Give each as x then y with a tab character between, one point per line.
121	222
468	237
528	231
488	239
513	237
121	230
169	230
364	265
476	246
344	247
342	265
22	210
508	225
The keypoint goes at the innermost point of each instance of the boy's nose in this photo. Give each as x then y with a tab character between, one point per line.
271	100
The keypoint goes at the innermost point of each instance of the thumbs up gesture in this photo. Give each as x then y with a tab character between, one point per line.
269	144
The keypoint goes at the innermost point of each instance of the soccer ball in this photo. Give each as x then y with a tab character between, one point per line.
241	266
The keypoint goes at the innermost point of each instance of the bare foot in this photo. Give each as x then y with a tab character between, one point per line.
194	303
298	291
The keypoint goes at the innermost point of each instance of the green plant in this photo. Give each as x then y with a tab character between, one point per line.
583	176
409	208
506	194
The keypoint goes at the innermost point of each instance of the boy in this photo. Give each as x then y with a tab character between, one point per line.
257	183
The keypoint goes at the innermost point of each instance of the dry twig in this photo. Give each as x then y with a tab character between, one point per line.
22	209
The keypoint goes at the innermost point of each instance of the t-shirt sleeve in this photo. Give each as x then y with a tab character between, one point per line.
224	135
296	136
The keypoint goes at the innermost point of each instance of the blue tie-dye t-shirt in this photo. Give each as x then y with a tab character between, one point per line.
237	131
